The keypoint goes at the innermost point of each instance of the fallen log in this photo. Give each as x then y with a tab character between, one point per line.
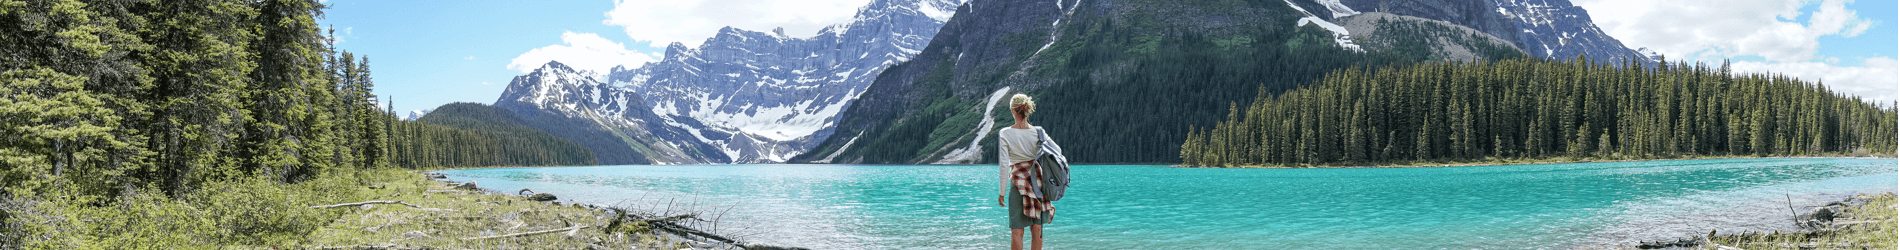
365	203
374	247
1806	245
527	233
669	218
382	202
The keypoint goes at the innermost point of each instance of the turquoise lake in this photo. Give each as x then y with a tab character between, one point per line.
1156	207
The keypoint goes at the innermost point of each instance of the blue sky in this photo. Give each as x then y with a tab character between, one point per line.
1846	44
427	53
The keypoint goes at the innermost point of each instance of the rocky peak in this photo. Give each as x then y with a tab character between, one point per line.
763	97
1553	29
753	96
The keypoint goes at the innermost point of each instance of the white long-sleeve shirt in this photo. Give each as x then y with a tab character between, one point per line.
1013	145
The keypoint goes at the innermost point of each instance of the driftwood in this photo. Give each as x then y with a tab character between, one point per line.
1807	245
1721	247
574	228
370	247
365	203
670	218
352	204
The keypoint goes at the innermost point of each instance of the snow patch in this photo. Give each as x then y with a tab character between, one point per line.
847	145
1339	10
933	12
1340	35
974	152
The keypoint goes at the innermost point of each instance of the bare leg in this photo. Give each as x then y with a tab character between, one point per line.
1036	242
1016	239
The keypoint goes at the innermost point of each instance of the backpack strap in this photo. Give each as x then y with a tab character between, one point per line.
1040	134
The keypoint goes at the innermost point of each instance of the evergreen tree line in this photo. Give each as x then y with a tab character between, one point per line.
109	97
103	98
1537	109
471	134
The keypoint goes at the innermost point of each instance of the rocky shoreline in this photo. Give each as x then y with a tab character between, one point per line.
1532	162
656	222
431	212
1849	222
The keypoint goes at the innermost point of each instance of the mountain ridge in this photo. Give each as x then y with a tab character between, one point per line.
742	96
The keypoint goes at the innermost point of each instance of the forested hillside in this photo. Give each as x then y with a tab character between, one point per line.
1117	83
183	124
471	134
1539	109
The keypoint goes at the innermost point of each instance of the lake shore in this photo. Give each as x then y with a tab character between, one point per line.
1533	162
422	211
1809	220
1862	221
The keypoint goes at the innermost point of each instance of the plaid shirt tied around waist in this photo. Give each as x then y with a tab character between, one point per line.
1025	176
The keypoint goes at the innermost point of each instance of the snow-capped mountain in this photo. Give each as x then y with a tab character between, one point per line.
417	114
610	121
764	97
1554	29
742	96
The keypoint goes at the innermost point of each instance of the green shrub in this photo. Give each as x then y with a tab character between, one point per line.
241	212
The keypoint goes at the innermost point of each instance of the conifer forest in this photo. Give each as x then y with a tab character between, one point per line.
1540	109
174	122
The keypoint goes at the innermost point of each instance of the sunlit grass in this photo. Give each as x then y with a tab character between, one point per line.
449	217
1868	226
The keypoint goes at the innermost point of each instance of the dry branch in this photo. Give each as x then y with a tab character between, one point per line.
365	203
379	202
527	233
1806	245
671	218
372	247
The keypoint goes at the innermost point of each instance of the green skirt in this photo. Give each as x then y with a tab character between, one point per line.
1016	218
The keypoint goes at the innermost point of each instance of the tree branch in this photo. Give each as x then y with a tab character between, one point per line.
527	233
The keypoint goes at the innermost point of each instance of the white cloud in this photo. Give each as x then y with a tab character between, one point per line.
690	22
486	83
469	58
1876	79
584	51
1711	30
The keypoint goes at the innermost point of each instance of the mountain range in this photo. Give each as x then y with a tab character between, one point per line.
918	81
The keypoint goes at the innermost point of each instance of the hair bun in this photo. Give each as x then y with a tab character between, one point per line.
1021	103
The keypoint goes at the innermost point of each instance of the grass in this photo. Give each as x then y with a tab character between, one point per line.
1868	226
449	216
261	214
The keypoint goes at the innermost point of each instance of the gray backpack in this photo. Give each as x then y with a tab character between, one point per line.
1055	167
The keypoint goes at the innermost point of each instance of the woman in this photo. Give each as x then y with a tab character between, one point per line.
1016	149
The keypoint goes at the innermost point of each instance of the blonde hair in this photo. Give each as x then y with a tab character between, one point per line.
1021	103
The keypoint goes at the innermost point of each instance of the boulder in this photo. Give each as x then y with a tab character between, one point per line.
541	197
1824	214
470	185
